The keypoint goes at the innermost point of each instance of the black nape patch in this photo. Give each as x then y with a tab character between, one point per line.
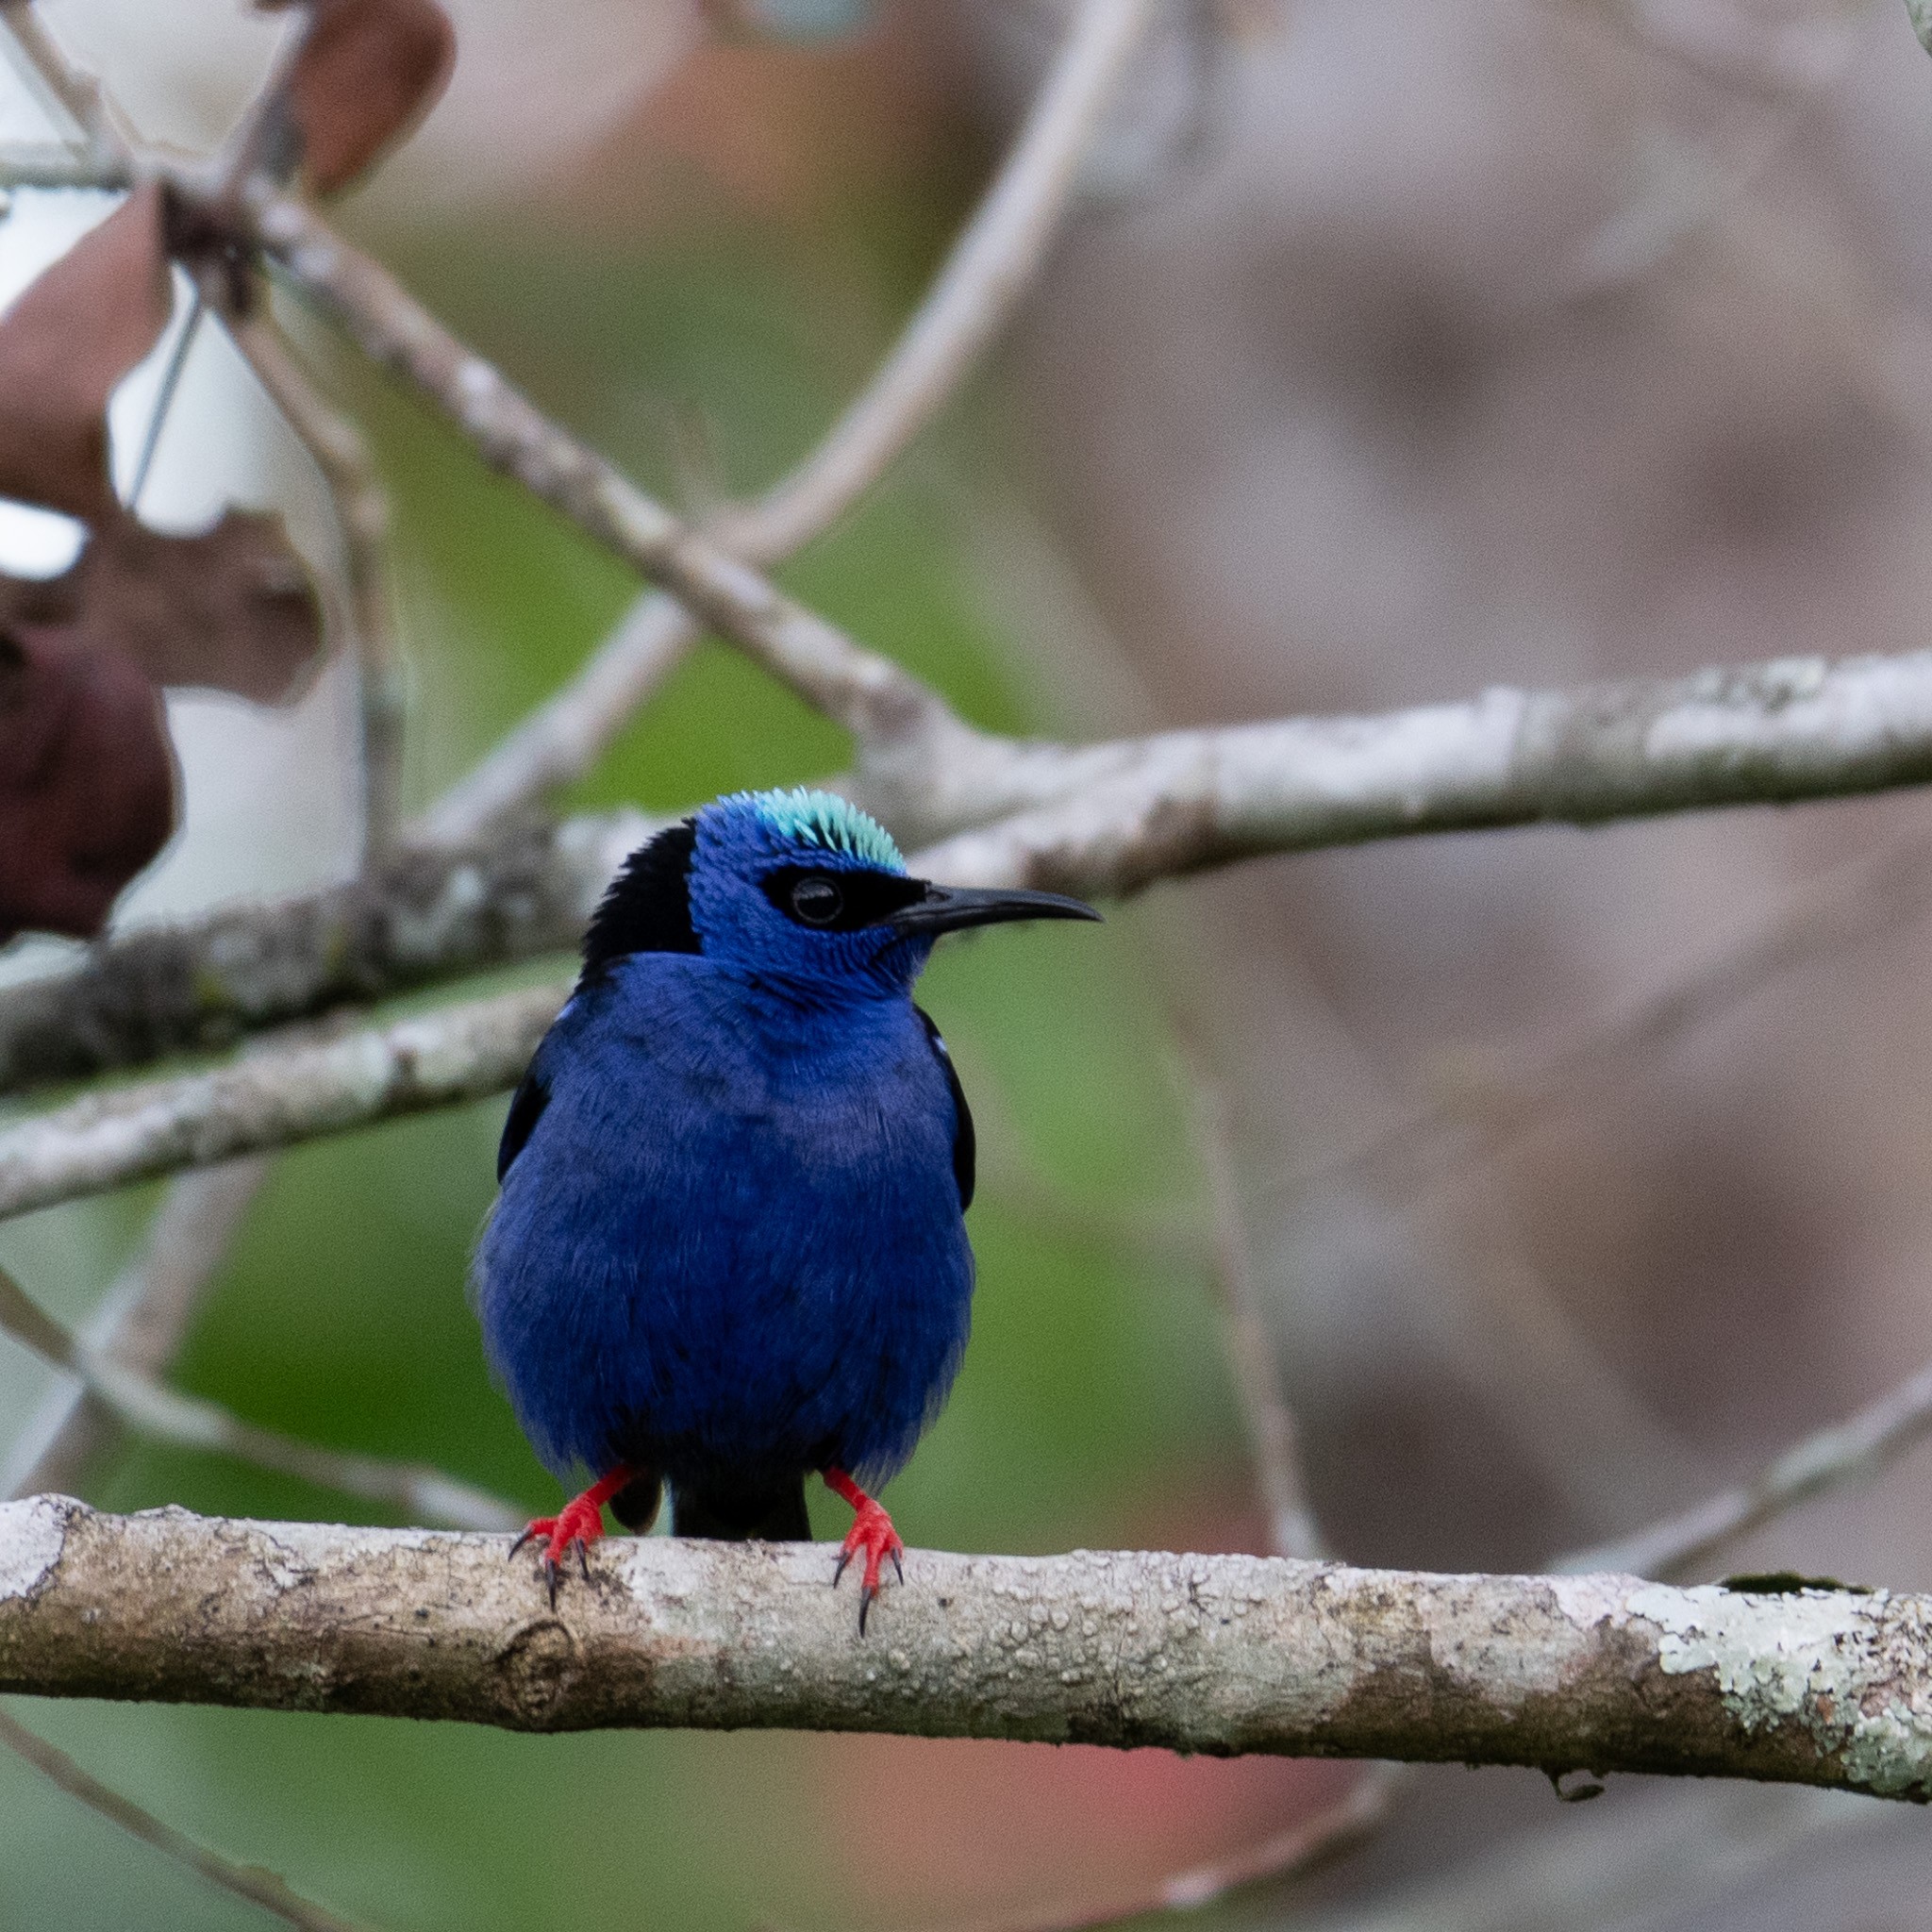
648	906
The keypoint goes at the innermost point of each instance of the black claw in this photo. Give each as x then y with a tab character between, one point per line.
550	1575
584	1560
844	1558
898	1568
865	1598
522	1539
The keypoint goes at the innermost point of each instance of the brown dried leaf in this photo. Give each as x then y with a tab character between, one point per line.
87	779
231	609
367	73
65	344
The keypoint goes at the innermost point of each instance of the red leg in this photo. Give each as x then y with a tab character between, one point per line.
579	1522
872	1531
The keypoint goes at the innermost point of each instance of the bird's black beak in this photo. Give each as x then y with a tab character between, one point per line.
949	909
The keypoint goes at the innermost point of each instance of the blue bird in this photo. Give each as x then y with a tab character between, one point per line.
730	1248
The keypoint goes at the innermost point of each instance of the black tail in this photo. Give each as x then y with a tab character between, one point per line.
733	1514
635	1506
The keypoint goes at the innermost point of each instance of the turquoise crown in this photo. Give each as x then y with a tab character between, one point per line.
824	819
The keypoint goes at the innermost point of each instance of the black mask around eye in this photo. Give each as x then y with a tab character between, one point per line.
838	901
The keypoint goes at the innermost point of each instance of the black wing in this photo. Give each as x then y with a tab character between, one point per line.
965	1148
525	1109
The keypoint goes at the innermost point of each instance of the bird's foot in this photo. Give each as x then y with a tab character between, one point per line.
580	1523
872	1531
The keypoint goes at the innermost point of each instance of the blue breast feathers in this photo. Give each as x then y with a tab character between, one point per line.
729	1246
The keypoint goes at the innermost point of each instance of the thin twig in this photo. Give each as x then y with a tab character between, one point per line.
1848	1451
252	1882
164	397
1297	1849
361	510
997	258
563	738
1672	1860
968	302
140	1324
996	261
884	707
77	93
1858	900
35	166
1293	1530
166	1413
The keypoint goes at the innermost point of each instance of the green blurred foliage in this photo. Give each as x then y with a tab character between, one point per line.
1093	1388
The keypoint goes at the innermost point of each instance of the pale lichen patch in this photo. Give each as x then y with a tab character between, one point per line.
1801	1658
33	1534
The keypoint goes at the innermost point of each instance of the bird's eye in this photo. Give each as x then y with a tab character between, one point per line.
816	900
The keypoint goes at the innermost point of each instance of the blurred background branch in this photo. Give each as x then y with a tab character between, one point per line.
250	1882
140	1403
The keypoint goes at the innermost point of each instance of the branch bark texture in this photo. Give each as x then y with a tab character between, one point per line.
1217	1654
273	1097
867	693
428	917
1090	819
1111	818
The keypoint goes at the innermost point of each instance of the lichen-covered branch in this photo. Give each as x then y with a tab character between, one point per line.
1114	817
283	1092
1220	1655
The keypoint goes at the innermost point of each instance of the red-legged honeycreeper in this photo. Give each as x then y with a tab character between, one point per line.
729	1250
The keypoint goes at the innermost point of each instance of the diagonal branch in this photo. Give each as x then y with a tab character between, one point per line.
892	713
871	696
1293	1530
146	1405
261	1887
1846	1452
1862	898
971	299
1223	1654
139	1325
1302	1847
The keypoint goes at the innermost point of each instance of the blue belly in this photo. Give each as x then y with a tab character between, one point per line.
732	1245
